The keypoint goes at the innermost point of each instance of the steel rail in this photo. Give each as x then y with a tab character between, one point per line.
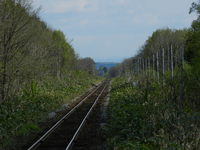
69	146
54	127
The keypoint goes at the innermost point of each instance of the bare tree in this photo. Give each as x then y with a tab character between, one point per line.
15	34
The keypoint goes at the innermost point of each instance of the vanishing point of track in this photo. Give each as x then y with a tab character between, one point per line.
63	134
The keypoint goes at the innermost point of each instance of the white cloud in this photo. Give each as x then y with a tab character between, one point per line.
62	6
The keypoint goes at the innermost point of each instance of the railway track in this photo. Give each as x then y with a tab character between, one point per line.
65	133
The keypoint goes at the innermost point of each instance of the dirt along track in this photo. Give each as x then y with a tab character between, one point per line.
80	129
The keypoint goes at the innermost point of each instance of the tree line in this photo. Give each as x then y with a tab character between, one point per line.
169	56
167	42
31	50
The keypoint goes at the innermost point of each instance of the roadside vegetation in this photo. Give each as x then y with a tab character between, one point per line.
39	71
23	115
154	103
145	116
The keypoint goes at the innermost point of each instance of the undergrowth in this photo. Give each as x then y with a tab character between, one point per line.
143	117
21	115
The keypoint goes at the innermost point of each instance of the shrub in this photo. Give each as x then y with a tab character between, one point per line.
142	117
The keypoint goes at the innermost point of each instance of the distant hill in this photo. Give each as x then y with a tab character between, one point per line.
108	65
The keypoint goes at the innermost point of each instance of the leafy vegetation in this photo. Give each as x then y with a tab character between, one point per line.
30	50
39	71
192	53
142	117
166	39
155	104
23	114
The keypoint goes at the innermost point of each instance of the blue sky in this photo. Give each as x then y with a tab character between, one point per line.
111	30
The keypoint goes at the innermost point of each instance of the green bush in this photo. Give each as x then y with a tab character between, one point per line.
20	116
143	117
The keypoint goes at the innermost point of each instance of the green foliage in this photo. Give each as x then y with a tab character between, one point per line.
192	56
151	114
163	38
30	50
38	71
22	115
160	39
193	44
143	117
